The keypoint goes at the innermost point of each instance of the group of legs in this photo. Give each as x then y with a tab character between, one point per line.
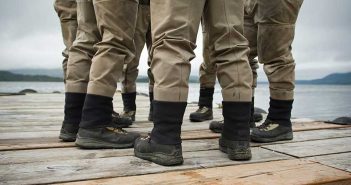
78	19
269	27
108	38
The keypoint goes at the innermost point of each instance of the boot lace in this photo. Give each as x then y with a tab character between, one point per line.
265	125
148	138
127	113
117	130
203	109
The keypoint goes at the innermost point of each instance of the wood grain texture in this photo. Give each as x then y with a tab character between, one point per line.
81	169
278	172
31	153
313	148
341	161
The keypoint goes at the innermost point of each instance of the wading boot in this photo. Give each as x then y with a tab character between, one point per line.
166	155
105	137
217	126
252	113
202	114
257	117
96	130
235	138
68	132
163	146
205	106
236	150
277	126
73	112
129	109
151	97
121	122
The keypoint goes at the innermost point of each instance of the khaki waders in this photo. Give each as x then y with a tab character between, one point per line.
142	36
83	50
67	12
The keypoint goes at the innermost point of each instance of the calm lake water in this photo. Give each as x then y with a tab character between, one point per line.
320	102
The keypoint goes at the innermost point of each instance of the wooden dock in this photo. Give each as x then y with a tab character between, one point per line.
31	153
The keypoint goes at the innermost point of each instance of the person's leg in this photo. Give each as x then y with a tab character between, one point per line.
228	50
67	12
131	72
276	30
78	68
116	23
250	33
82	51
207	77
174	38
149	73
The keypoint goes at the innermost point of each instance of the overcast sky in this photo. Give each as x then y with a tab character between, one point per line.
30	37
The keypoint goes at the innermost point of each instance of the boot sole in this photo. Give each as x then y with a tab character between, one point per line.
90	143
283	137
200	119
236	156
160	159
67	137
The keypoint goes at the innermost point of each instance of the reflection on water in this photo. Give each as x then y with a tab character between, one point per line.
321	102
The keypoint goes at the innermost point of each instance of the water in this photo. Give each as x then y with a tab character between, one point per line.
320	102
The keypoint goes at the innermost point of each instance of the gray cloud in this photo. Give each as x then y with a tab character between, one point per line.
31	38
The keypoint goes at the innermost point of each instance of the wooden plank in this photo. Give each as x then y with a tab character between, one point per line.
276	172
317	125
56	125
53	142
205	133
23	144
341	161
70	152
137	126
72	170
313	148
42	155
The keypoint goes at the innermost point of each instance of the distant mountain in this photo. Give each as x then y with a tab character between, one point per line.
335	78
47	72
145	79
332	79
58	73
8	76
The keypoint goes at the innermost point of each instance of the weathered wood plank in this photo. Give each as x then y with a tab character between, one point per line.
25	144
53	142
51	134
317	125
341	161
33	121
42	155
276	172
137	126
141	122
202	127
313	148
73	170
56	151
